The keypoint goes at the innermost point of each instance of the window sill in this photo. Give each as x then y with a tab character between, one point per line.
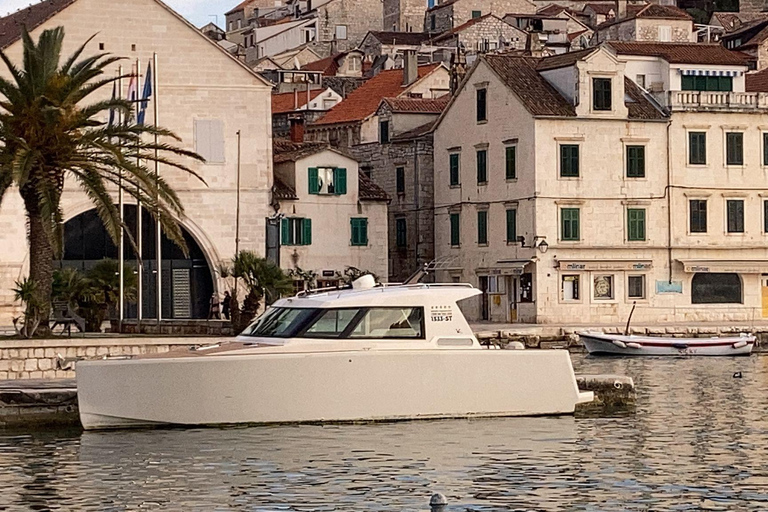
483	244
697	166
515	242
358	245
604	301
636	178
736	234
511	180
484	121
570	242
639	300
735	167
455	246
458	185
576	302
637	242
482	183
569	178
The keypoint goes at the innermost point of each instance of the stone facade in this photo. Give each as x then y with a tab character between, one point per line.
488	34
444	17
404	15
188	92
358	16
648	29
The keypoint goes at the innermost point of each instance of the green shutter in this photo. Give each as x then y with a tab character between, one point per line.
454	169
511	173
636	227
482	227
359	231
340	181
765	149
569	160
697	142
314	181
455	235
284	230
482	166
306	232
635	161
511	225
364	231
688	83
569	228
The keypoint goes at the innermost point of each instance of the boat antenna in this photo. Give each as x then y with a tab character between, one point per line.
626	330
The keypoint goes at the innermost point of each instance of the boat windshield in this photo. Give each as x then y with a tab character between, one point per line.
352	323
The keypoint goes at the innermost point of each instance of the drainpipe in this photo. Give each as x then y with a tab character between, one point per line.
669	204
416	201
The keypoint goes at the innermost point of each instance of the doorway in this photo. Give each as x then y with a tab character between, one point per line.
512	298
764	294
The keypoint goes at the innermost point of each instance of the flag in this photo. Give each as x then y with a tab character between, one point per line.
112	110
132	89
145	95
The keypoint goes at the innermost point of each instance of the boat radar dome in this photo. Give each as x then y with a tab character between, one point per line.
365	282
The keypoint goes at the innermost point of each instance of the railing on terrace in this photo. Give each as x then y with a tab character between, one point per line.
686	100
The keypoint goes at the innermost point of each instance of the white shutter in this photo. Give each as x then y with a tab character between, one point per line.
665	33
209	140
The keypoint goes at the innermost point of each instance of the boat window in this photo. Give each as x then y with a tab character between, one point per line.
280	322
332	323
401	323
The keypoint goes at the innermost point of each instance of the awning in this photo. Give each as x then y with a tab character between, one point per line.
504	268
637	265
710	72
738	266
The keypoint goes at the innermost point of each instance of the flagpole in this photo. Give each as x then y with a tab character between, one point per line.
158	230
139	237
121	246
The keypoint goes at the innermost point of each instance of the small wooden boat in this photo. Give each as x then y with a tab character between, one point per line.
617	344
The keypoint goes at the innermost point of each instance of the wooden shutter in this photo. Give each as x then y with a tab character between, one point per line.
482	227
340	181
314	181
511	225
285	230
455	238
511	163
306	232
364	231
454	168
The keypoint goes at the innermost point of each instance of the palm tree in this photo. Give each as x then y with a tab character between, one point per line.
49	134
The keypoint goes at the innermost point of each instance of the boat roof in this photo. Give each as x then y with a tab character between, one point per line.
384	296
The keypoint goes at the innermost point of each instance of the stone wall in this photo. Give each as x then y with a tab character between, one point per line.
489	31
359	16
404	15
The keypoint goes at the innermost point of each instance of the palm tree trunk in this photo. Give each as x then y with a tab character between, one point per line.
40	262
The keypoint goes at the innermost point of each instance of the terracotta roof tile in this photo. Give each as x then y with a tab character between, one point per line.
281	190
284	150
564	59
369	191
417	105
417	132
31	17
405	38
682	53
654	11
638	104
601	8
757	81
463	26
552	10
238	7
288	101
364	101
329	66
574	35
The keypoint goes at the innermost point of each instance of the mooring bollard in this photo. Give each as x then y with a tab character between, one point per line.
438	502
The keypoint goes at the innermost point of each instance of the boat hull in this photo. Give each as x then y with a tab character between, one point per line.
598	343
320	387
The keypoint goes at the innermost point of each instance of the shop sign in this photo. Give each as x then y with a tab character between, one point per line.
667	287
605	265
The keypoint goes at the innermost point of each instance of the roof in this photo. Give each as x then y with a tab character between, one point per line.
368	190
239	7
681	53
638	104
757	81
574	35
281	190
601	8
655	11
364	101
564	59
288	101
417	105
417	132
328	65
31	17
284	150
404	38
732	21
463	26
552	10
441	5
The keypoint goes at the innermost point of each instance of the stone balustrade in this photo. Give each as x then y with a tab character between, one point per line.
714	100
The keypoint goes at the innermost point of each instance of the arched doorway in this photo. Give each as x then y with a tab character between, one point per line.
716	288
187	281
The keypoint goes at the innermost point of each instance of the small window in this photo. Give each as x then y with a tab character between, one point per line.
359	231
482	114
341	32
734	148
455	235
133	47
603	287
569	288
327	180
636	224
735	215
636	287
101	46
432	22
698	209
640	80
569	160
716	288
354	64
697	148
296	231
569	229
401	232
454	169
765	148
482	166
601	94
209	140
511	162
635	161
665	33
511	225
400	180
476	14
765	216
384	132
397	323
482	227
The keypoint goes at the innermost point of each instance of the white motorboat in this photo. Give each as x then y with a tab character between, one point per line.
599	343
368	353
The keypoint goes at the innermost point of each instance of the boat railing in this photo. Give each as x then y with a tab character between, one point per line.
307	293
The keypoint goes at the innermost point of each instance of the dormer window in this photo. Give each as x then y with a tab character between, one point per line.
601	94
327	180
354	64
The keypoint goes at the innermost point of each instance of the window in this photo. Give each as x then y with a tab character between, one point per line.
359	231
706	83
635	161
511	163
209	140
398	323
327	180
640	80
455	235
603	287
569	160
331	323
296	231
636	287
765	216
482	227
697	148
401	234
482	166
432	22
400	179
569	229
384	132
495	285
734	148
569	288
698	209
482	115
735	215
716	288
636	224
601	94
280	322
454	169
665	33
476	14
354	64
511	225
239	23
341	31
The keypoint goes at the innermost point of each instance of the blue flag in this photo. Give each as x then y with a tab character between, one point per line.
145	95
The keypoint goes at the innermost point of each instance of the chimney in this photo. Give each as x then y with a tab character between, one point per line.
410	67
297	128
621	9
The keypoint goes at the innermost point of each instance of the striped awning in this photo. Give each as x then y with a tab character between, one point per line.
710	72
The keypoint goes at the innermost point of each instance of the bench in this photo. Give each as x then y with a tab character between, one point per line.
63	314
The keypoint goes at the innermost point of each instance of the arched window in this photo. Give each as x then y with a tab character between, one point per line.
716	289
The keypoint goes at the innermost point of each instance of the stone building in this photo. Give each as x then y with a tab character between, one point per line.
300	108
752	39
579	195
487	33
342	24
394	45
652	22
206	113
401	163
404	15
453	13
332	216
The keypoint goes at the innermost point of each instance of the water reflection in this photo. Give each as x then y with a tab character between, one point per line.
698	440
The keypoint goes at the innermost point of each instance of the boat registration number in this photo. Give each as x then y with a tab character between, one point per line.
441	314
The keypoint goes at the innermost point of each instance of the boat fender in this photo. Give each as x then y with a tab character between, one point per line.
619	343
634	345
740	344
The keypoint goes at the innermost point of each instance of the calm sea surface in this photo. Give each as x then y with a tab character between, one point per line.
698	440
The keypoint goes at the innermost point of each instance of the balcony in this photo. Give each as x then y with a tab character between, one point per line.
714	101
